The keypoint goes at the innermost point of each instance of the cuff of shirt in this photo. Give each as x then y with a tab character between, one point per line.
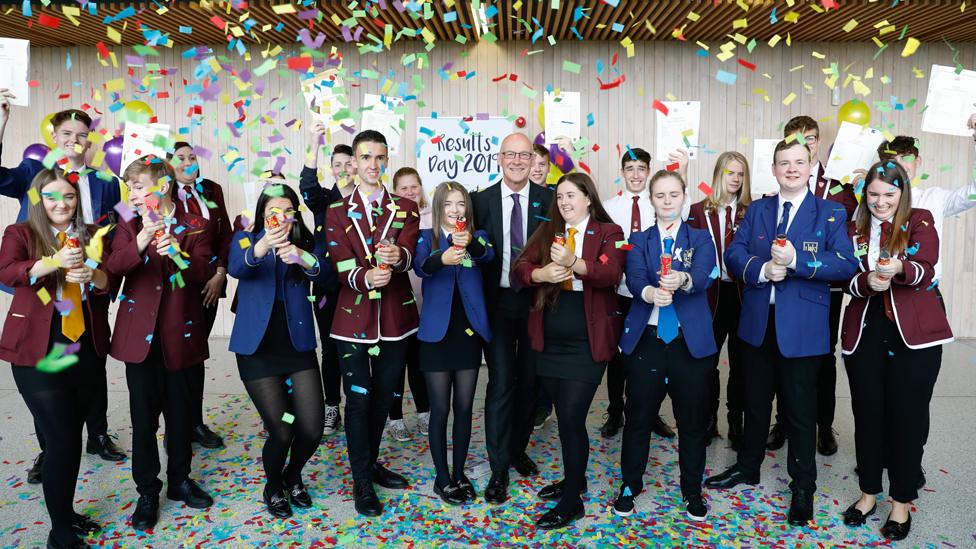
762	274
792	265
645	296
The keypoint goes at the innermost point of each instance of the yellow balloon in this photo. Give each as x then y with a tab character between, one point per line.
553	176
854	111
47	131
138	109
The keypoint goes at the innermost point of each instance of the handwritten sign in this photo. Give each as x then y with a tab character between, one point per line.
460	149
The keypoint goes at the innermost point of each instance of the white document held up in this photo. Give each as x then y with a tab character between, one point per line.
379	114
139	140
326	98
14	69
562	116
678	129
855	148
949	101
761	177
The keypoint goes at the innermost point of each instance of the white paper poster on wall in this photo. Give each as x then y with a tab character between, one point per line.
379	114
678	129
761	177
562	116
451	148
14	69
949	101
141	139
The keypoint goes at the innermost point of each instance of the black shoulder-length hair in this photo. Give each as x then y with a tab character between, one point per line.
299	234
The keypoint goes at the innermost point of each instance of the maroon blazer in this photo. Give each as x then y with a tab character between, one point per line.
27	329
152	299
389	313
604	268
845	197
221	230
699	219
920	318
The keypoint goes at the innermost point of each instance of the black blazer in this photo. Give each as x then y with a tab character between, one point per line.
488	217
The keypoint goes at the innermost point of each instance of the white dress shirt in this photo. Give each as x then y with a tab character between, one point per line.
942	203
85	195
874	243
620	208
796	203
507	202
578	247
647	294
812	182
721	234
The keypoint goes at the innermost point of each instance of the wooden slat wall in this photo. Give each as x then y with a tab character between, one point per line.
732	115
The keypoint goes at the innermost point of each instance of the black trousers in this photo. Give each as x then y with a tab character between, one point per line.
512	382
827	373
656	369
331	375
96	413
725	324
153	390
369	382
196	377
617	372
418	385
765	366
891	388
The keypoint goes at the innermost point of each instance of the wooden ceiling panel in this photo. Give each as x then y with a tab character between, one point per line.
280	22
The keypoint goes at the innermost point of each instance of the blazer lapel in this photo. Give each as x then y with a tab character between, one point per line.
592	241
769	220
497	220
534	209
653	253
95	187
388	209
805	216
357	213
714	227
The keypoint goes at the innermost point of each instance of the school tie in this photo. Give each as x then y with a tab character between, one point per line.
72	325
667	318
785	221
192	206
729	234
571	246
635	220
516	230
885	235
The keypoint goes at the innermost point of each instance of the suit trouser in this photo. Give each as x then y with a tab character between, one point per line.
655	369
331	375
891	388
725	324
765	366
827	373
512	382
153	390
196	377
369	382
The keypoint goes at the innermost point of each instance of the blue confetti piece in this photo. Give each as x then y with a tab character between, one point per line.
814	264
358	389
715	272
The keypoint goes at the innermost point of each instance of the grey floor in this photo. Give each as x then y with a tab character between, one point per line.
944	516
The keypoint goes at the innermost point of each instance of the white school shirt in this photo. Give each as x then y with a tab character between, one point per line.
796	203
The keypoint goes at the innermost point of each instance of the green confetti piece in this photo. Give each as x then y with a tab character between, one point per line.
287	418
56	360
373	351
569	66
346	265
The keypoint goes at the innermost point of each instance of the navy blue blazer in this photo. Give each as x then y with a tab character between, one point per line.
824	254
14	183
257	279
694	253
438	288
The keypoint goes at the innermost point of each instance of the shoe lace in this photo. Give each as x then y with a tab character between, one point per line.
331	414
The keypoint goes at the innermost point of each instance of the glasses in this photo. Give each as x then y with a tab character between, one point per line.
511	155
811	139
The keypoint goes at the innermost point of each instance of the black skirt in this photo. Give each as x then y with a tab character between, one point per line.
77	377
567	354
276	355
458	350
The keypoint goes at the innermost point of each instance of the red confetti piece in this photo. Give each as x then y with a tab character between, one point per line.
705	188
48	21
500	78
658	106
218	22
584	167
33	84
299	63
613	84
747	65
102	50
603	258
672	167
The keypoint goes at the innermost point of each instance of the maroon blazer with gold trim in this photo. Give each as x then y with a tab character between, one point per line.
27	329
844	197
151	298
920	318
699	219
388	313
604	268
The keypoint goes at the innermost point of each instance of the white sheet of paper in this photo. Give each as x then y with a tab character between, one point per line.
761	177
855	148
139	140
15	68
949	101
679	129
562	116
325	97
380	116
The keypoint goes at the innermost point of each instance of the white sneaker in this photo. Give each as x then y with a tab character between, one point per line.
333	421
424	424
398	430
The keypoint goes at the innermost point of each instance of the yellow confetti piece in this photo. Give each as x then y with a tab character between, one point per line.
113	35
693	16
44	296
469	331
33	195
850	25
115	85
282	9
791	17
789	98
244	243
373	294
740	23
910	46
774	40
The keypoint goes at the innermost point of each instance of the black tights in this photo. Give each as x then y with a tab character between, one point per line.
439	387
60	415
274	397
572	400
